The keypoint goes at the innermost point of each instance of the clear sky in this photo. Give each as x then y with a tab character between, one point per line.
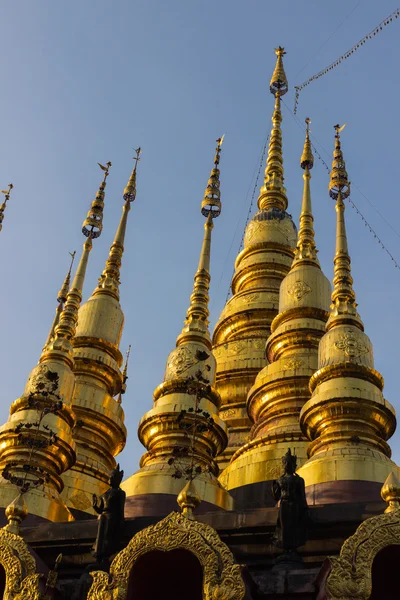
85	81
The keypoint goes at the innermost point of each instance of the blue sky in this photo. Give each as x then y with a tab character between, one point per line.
86	81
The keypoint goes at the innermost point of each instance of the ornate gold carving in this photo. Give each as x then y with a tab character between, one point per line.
222	578
350	345
81	501
229	412
181	359
350	577
251	297
22	581
44	380
259	344
293	363
238	347
298	290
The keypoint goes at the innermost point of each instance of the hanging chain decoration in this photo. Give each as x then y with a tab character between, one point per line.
298	88
253	195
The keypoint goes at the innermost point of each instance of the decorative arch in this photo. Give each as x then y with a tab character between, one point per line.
350	576
222	579
22	581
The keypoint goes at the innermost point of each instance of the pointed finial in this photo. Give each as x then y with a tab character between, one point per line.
130	190
188	499
62	294
211	204
3	206
273	192
110	277
16	512
390	492
279	85
343	296
339	182
307	158
93	224
124	376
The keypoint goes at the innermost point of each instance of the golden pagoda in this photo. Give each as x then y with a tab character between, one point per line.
347	419
282	387
99	432
245	322
36	443
183	433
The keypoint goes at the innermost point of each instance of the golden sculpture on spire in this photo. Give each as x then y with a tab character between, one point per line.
61	299
187	400
353	448
100	433
3	206
36	444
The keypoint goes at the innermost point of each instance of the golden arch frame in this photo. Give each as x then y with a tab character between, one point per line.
222	579
22	581
350	577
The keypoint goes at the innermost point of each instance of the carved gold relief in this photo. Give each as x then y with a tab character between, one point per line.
181	359
350	577
22	581
222	578
298	290
81	501
293	363
251	297
350	345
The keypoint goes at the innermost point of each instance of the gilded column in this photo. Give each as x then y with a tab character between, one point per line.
99	432
245	322
347	419
282	387
183	433
36	444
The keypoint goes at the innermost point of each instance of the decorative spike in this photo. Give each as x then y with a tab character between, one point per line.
130	190
212	195
3	206
198	310
343	296
124	376
390	492
66	327
306	249
110	278
93	224
16	512
279	83
61	298
273	192
188	499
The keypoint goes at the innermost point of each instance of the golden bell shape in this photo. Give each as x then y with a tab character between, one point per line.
16	512
188	500
390	492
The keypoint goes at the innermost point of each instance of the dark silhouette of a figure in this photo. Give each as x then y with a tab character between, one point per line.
291	527
110	508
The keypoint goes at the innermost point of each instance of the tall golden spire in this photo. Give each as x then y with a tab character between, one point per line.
273	192
196	322
3	206
100	433
343	296
61	299
306	249
282	387
187	396
36	444
347	419
245	322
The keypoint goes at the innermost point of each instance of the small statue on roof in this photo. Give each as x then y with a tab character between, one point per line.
110	508
291	527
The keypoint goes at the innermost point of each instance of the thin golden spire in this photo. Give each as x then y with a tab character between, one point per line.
343	296
3	206
196	322
91	229
109	280
306	250
273	192
61	299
